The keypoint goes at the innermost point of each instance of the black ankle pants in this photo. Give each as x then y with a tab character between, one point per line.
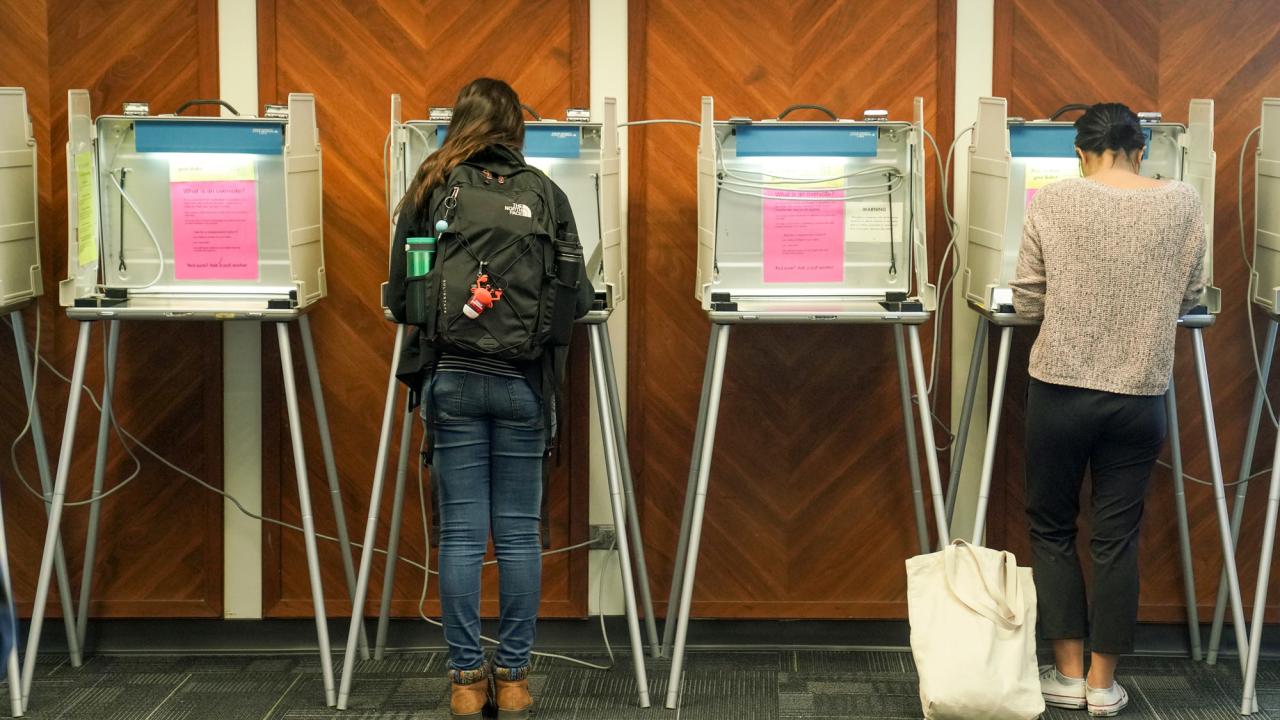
1118	438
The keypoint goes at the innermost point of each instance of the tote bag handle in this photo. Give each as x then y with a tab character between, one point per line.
1002	606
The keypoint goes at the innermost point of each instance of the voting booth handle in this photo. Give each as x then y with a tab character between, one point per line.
803	106
1069	107
192	103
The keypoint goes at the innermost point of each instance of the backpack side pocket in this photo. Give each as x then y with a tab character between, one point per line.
420	302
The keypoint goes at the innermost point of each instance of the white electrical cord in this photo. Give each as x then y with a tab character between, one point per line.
150	233
889	188
1198	481
13	446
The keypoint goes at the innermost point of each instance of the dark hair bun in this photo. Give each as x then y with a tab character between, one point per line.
1109	126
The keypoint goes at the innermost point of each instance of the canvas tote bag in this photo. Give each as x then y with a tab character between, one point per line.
973	634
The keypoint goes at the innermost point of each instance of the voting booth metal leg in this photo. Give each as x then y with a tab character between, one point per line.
393	543
705	444
966	413
370	528
993	430
99	479
55	512
629	493
613	470
12	673
909	422
46	486
1242	482
1260	595
1220	496
304	508
330	465
930	445
686	521
1180	506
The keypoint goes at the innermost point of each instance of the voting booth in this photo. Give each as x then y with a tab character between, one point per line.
174	217
1265	293
1010	160
20	285
581	156
806	222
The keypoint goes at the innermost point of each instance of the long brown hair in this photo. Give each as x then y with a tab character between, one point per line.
487	112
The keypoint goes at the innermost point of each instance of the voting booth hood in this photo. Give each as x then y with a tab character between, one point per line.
216	213
1011	159
579	154
803	209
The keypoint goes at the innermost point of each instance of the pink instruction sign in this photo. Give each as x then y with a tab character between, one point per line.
803	240
215	230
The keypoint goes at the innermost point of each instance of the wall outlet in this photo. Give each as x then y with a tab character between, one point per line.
603	537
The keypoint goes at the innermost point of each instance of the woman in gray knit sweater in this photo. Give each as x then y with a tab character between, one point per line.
1108	263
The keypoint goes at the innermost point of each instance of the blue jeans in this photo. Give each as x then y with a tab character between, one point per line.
489	445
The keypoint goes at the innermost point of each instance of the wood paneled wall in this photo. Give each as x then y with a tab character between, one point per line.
1156	55
160	552
353	56
809	512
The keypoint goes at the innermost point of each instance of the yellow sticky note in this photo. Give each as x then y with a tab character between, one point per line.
1044	171
204	167
86	211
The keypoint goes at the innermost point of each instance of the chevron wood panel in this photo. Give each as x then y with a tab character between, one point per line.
809	512
160	552
1151	55
353	56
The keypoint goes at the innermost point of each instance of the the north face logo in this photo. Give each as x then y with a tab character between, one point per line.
520	210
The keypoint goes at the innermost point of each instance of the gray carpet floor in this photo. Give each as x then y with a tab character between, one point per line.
720	685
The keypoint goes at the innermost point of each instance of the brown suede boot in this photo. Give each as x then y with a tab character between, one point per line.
469	694
511	693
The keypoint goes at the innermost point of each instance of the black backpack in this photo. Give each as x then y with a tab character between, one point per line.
504	278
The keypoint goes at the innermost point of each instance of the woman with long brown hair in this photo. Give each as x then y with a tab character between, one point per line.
489	414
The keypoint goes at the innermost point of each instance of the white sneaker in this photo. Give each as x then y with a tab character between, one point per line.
1061	691
1106	702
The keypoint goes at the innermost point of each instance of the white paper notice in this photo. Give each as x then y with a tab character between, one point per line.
872	220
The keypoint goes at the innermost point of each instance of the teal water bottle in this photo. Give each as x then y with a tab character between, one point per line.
421	252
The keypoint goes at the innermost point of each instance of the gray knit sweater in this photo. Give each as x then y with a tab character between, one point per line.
1109	271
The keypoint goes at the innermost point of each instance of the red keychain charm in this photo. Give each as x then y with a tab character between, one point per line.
483	296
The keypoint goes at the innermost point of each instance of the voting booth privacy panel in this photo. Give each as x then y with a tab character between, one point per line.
194	215
19	244
1266	254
